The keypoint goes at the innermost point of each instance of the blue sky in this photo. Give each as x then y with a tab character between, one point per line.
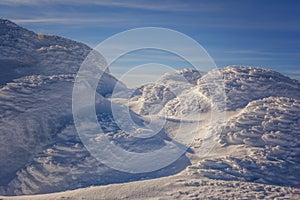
263	33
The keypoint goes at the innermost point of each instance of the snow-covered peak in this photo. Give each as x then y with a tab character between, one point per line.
184	75
7	23
152	98
227	88
24	53
243	84
40	150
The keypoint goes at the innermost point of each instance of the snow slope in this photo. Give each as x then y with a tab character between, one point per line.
152	98
263	136
40	149
266	135
23	53
256	154
182	186
30	118
245	84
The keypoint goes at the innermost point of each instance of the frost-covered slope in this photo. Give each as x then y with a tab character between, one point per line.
182	186
52	158
41	151
265	136
245	84
35	110
186	91
152	98
31	114
23	53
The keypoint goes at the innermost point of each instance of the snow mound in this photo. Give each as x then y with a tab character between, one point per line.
153	97
268	130
188	104
230	89
270	121
24	53
150	99
32	111
41	152
40	149
245	84
62	165
181	79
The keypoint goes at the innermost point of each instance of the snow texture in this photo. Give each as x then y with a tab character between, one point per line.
256	154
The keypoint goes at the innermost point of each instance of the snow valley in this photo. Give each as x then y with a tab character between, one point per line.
255	155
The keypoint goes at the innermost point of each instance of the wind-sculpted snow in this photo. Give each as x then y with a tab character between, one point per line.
229	89
188	103
33	109
36	109
23	53
181	79
40	149
244	84
64	165
152	98
52	158
186	91
270	121
268	130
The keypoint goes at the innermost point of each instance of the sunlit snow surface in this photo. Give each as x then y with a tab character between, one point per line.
256	154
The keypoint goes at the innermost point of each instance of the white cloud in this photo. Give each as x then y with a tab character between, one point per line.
144	5
67	20
293	73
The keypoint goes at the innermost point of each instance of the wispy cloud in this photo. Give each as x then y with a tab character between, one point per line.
134	4
292	73
70	20
263	53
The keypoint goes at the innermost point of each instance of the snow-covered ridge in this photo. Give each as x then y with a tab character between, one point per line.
268	130
244	84
152	98
186	75
47	154
36	108
227	88
23	53
41	152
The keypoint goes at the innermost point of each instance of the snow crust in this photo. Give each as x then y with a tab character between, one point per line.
256	154
24	53
267	131
244	84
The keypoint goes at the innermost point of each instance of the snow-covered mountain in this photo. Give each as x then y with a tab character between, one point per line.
255	155
24	53
47	154
245	84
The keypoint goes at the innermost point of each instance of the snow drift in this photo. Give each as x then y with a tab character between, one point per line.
41	152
